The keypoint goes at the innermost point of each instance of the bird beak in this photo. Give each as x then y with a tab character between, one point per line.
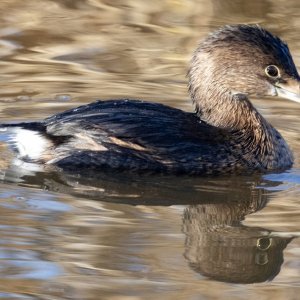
290	89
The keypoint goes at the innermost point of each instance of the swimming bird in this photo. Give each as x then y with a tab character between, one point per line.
226	134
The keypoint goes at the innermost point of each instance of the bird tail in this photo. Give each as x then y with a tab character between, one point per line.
27	139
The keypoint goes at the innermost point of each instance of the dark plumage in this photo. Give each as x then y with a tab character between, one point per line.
227	134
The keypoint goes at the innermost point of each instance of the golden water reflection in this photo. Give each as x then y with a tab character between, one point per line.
129	237
82	247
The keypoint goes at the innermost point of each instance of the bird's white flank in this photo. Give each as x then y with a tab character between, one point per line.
28	143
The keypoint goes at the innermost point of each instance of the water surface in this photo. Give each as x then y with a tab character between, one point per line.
120	236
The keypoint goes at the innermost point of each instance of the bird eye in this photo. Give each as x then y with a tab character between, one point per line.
272	71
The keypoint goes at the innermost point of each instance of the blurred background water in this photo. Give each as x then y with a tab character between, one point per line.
120	236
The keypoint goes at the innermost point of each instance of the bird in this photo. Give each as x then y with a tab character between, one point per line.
225	134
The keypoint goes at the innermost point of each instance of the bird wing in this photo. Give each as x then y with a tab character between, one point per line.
132	134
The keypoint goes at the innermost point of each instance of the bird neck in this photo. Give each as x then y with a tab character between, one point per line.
252	134
222	108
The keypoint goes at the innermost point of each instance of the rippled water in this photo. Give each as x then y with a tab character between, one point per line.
120	236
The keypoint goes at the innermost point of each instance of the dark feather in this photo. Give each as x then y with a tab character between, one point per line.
152	137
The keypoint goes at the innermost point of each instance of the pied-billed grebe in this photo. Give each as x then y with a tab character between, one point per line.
227	134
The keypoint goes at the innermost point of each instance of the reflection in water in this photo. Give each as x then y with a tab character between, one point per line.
217	244
219	247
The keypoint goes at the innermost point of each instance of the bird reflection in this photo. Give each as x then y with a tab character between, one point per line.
217	244
220	247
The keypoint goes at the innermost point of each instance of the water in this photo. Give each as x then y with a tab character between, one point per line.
120	236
